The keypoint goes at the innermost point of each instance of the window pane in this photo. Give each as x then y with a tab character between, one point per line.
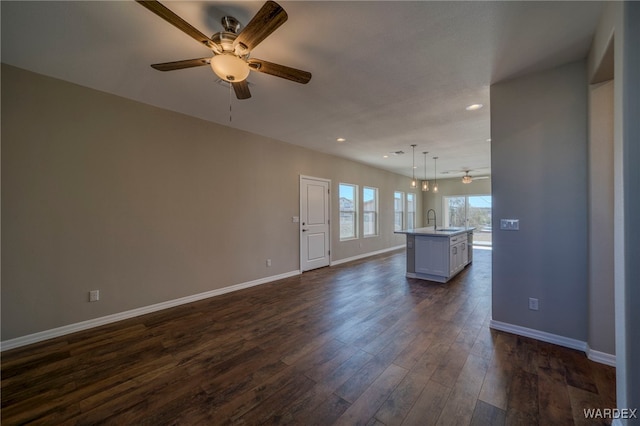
411	210
454	211
472	210
348	211
479	215
398	205
370	211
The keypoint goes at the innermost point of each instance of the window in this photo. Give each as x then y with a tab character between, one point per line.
411	210
370	211
398	207
348	211
471	210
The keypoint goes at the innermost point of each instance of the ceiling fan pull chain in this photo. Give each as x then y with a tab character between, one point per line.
230	102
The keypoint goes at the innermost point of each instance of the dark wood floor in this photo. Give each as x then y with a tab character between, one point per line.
352	344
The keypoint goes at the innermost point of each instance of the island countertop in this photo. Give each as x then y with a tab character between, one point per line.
438	232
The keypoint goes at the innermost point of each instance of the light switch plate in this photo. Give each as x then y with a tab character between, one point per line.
510	224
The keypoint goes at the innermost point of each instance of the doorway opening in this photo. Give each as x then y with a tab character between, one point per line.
470	211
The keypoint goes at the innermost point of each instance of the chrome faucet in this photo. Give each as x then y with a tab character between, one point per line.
434	218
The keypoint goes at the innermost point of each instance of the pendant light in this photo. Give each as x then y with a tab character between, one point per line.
435	171
425	182
414	182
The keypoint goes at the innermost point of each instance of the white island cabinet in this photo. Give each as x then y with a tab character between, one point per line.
438	255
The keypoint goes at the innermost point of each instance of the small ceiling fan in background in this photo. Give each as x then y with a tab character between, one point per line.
231	49
467	178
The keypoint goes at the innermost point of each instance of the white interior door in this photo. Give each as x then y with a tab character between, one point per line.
314	223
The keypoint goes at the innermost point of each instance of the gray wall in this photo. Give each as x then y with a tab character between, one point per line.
619	22
601	265
539	175
146	205
631	183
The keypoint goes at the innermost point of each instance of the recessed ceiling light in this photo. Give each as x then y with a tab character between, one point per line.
385	156
488	139
341	139
473	107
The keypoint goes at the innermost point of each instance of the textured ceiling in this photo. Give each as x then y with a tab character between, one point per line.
385	74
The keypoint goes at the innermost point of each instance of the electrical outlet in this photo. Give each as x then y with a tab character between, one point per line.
94	295
268	263
533	304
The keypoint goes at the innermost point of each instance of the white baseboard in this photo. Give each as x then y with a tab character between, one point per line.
540	335
96	322
601	357
596	356
362	256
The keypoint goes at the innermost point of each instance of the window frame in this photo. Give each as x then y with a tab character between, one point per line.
366	212
353	212
411	214
396	211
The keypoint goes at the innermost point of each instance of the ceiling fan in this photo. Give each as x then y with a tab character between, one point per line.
467	178
231	49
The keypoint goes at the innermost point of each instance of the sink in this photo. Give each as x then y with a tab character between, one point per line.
448	229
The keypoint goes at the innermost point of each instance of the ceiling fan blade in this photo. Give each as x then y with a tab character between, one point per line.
281	71
166	14
242	89
266	21
178	65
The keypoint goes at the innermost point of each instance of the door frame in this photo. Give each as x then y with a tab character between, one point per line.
328	181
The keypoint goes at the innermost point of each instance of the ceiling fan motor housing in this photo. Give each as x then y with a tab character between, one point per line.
225	42
229	61
230	24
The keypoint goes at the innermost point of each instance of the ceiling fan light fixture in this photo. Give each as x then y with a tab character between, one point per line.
466	179
229	67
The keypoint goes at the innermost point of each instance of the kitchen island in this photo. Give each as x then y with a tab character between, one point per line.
438	254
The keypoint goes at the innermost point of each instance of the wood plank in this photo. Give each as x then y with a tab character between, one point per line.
582	400
366	406
428	407
450	366
399	403
356	343
486	414
522	405
461	402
